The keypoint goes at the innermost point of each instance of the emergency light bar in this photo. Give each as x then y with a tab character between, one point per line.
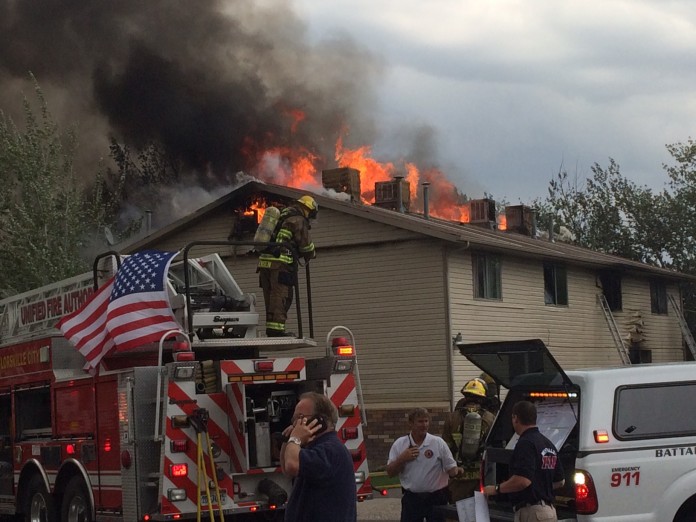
553	395
290	376
342	347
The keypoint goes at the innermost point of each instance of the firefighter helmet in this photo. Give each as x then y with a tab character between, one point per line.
474	387
310	204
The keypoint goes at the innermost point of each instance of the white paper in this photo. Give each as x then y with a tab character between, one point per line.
555	419
482	514
466	509
473	509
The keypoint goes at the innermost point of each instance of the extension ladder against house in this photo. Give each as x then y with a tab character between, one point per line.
614	329
686	333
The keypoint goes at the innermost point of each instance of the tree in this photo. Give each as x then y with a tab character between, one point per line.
614	215
681	205
46	219
611	214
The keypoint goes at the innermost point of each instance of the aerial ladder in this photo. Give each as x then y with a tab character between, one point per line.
621	346
686	332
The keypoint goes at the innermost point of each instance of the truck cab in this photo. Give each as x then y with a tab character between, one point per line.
625	435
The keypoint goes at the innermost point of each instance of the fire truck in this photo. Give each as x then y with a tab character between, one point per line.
187	428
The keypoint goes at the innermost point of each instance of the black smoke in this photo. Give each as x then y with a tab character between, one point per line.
215	83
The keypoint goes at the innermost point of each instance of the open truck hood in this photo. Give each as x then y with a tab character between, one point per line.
516	363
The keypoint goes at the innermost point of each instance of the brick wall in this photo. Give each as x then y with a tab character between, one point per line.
385	426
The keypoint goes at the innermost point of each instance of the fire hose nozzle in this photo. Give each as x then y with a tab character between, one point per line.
199	420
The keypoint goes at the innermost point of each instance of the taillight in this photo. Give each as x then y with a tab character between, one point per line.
601	436
178	470
586	502
350	433
179	445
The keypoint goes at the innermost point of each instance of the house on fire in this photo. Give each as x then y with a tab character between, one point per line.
406	284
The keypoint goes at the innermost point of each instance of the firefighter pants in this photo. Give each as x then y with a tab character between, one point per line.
277	285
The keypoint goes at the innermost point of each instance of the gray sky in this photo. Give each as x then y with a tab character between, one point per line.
515	90
490	96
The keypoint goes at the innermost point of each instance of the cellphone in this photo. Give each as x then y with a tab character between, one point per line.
322	423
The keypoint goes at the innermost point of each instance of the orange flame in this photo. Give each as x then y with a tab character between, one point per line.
371	170
298	168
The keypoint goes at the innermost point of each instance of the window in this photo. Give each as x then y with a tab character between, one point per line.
555	284
33	412
486	269
611	288
658	297
641	411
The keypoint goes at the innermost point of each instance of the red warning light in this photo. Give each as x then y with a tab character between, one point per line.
179	470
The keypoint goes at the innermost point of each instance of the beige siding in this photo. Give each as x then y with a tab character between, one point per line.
661	332
405	295
577	334
335	228
390	294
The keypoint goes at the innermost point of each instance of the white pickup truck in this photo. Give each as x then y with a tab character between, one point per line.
626	435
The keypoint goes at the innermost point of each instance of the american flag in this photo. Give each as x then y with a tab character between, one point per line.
128	311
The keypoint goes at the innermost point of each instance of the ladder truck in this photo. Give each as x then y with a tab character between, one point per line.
186	428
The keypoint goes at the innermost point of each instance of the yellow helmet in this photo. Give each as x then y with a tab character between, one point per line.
311	205
474	387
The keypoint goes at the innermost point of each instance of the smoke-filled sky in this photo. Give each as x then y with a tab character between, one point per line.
496	95
517	89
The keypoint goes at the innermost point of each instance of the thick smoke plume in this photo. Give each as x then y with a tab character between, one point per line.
216	83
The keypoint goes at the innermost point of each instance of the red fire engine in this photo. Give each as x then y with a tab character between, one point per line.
185	429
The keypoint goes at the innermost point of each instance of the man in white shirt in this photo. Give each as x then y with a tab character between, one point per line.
424	464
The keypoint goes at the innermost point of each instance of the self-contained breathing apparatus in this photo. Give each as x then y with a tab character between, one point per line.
472	421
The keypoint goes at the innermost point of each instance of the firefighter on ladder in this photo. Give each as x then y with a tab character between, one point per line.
278	267
464	432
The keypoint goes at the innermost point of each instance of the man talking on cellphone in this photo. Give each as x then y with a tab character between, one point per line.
322	468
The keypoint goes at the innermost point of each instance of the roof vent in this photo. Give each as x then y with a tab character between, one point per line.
482	212
393	195
343	179
521	219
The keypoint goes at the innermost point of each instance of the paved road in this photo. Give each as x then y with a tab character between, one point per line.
387	509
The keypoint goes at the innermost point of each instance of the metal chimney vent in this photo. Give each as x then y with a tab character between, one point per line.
521	219
482	212
388	194
343	179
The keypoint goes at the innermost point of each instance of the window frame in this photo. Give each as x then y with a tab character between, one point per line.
492	265
642	405
658	297
554	268
611	282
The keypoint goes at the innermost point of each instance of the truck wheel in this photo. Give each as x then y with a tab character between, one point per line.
76	506
39	505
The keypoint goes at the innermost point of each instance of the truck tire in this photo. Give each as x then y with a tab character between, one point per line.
39	505
76	506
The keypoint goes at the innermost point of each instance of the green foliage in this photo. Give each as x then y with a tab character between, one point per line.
611	214
46	219
680	204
